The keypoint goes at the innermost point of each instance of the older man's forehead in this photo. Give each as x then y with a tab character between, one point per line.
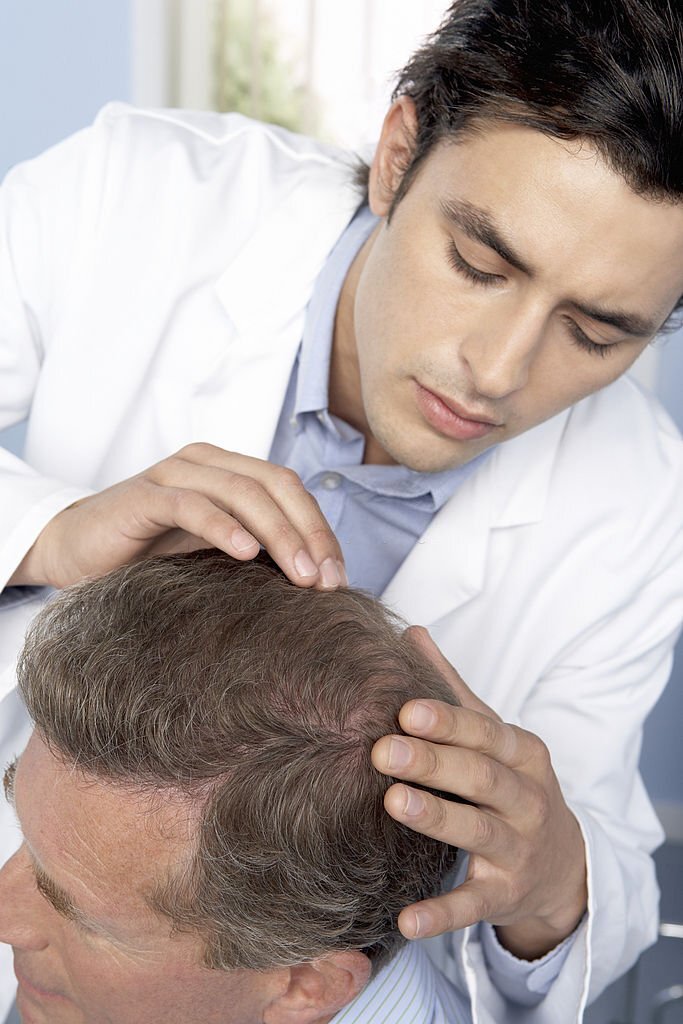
102	847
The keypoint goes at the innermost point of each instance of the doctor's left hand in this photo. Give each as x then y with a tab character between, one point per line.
527	867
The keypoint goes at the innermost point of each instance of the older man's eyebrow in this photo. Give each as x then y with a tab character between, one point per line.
46	886
8	781
479	225
57	897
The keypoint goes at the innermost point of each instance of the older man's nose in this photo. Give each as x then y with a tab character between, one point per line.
21	905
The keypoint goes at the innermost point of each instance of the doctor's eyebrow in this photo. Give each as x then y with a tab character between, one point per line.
479	226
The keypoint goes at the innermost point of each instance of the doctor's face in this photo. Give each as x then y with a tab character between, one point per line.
518	275
88	948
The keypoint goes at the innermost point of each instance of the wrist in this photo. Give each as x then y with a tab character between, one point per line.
533	938
29	572
34	569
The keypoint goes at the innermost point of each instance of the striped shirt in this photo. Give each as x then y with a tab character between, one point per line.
409	990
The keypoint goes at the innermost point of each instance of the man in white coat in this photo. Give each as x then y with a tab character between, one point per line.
441	372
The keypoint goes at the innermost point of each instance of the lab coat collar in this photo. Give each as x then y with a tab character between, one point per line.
309	219
447	566
284	257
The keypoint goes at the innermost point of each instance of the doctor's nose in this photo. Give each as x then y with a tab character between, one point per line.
499	357
21	906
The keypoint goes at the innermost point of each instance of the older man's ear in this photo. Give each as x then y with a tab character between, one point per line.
316	991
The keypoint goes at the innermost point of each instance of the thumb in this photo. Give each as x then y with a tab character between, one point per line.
419	636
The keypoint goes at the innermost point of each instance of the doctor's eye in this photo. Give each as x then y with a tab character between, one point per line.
465	269
581	340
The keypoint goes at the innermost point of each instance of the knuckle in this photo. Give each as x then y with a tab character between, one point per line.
489	732
288	479
183	501
480	908
438	816
483	831
539	751
542	809
196	451
282	532
429	765
516	890
245	488
318	536
487	776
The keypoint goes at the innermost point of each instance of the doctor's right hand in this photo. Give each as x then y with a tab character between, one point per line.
200	497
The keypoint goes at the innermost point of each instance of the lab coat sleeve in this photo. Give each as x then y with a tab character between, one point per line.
590	709
38	230
39	216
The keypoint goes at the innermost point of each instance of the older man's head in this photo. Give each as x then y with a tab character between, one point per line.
204	835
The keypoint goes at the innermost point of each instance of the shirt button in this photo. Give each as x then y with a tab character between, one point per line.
331	481
321	416
294	421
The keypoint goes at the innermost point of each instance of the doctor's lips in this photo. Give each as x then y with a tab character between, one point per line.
452	419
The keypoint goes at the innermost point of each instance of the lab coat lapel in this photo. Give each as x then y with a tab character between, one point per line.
283	258
447	566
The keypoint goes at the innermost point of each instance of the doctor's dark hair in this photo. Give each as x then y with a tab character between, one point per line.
609	71
256	704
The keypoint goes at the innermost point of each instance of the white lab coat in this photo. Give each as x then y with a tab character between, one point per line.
154	273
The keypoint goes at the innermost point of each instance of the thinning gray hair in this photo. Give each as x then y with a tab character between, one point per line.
260	703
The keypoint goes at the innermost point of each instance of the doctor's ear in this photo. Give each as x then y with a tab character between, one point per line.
316	991
393	155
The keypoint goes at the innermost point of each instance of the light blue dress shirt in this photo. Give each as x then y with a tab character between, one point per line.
409	990
377	512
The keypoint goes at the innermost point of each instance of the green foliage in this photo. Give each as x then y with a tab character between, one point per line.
250	75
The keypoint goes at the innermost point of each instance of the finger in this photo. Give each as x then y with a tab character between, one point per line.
299	508
460	727
304	513
422	640
467	905
188	515
460	825
247	503
465	773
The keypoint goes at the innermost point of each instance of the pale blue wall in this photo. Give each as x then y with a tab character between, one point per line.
60	60
662	761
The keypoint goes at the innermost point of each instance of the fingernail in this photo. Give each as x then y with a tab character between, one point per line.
422	717
414	804
304	564
241	540
329	574
400	755
342	574
423	923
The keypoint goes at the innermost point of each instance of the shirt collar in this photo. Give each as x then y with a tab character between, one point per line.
312	391
406	982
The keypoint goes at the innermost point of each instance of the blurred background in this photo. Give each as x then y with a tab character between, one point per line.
324	68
